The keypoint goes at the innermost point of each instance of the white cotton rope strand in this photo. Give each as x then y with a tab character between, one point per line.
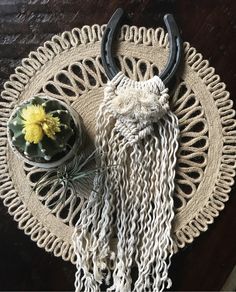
132	201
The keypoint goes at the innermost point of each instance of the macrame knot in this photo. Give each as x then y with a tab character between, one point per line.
135	201
140	104
132	131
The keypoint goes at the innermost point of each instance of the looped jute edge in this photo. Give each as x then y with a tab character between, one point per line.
47	53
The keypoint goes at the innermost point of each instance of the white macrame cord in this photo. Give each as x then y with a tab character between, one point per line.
132	201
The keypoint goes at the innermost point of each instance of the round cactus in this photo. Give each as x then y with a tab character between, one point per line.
41	129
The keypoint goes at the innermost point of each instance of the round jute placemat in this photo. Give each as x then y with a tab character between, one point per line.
68	67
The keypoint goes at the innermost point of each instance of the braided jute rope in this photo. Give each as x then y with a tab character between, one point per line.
68	67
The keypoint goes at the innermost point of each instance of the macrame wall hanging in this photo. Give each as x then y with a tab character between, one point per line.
137	121
137	137
136	134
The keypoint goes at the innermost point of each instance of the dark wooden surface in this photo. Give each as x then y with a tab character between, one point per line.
208	25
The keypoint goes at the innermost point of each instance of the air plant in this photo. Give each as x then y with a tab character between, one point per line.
75	175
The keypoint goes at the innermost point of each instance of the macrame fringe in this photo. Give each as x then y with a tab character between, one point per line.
37	60
134	201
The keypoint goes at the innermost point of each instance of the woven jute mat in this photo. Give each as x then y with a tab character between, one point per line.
69	68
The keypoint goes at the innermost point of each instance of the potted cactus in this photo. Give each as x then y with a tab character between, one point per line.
45	132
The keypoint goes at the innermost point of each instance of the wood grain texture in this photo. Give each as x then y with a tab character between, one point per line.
208	25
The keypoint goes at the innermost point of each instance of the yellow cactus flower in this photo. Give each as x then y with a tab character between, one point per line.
33	133
37	123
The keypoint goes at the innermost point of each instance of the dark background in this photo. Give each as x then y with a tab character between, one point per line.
210	26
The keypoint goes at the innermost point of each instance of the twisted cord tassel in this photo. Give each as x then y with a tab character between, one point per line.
137	136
